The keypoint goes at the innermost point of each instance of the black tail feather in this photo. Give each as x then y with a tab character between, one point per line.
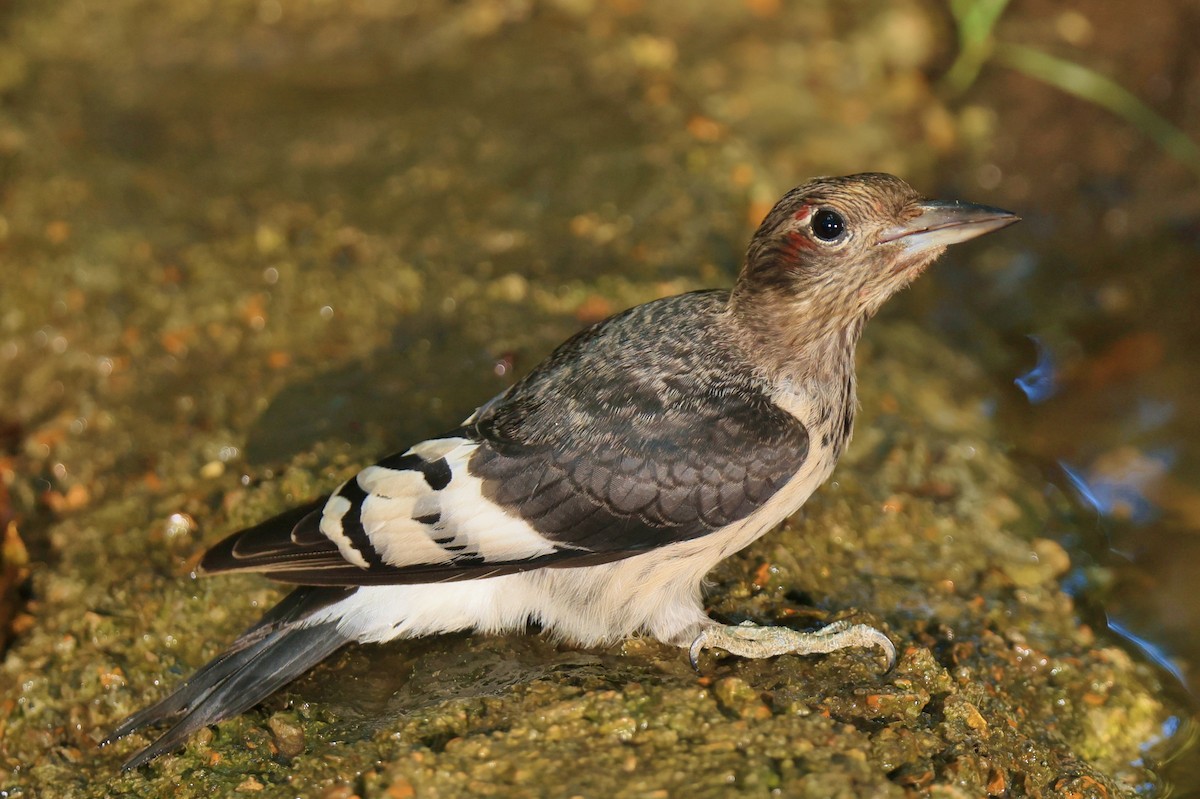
266	657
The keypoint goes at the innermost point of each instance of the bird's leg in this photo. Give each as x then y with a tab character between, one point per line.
751	641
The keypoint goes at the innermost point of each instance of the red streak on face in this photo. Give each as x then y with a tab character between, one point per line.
797	242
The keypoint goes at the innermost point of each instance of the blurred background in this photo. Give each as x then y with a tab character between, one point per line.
233	231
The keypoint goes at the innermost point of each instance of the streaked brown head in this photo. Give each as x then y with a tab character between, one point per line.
834	249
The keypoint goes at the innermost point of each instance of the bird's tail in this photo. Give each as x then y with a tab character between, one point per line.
272	653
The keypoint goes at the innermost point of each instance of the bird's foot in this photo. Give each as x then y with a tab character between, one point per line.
751	641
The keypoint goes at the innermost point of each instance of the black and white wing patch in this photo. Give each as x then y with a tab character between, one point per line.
415	517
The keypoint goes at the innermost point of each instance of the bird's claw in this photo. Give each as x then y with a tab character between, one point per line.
694	650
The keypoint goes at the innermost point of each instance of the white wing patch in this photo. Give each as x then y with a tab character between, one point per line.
436	448
331	525
405	517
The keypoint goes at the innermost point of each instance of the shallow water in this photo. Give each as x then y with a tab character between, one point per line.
1093	319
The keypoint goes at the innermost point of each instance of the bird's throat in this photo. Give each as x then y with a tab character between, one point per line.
790	340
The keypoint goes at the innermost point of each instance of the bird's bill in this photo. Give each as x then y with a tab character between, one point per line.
940	224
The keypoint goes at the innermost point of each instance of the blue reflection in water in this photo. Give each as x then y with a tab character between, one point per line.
1169	729
1156	653
1121	489
1041	382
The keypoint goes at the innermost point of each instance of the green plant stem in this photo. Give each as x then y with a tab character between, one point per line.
1089	85
975	20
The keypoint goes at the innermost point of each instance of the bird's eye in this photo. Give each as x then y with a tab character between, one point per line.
828	225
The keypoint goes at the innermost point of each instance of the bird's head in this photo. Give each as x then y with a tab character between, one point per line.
834	249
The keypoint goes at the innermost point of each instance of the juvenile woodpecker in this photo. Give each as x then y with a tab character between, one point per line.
594	495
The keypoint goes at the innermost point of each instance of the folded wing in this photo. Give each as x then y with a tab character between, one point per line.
605	451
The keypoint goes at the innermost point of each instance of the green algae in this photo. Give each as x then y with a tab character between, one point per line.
252	252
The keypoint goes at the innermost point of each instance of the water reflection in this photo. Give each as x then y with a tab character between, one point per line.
1152	650
1123	482
1041	382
